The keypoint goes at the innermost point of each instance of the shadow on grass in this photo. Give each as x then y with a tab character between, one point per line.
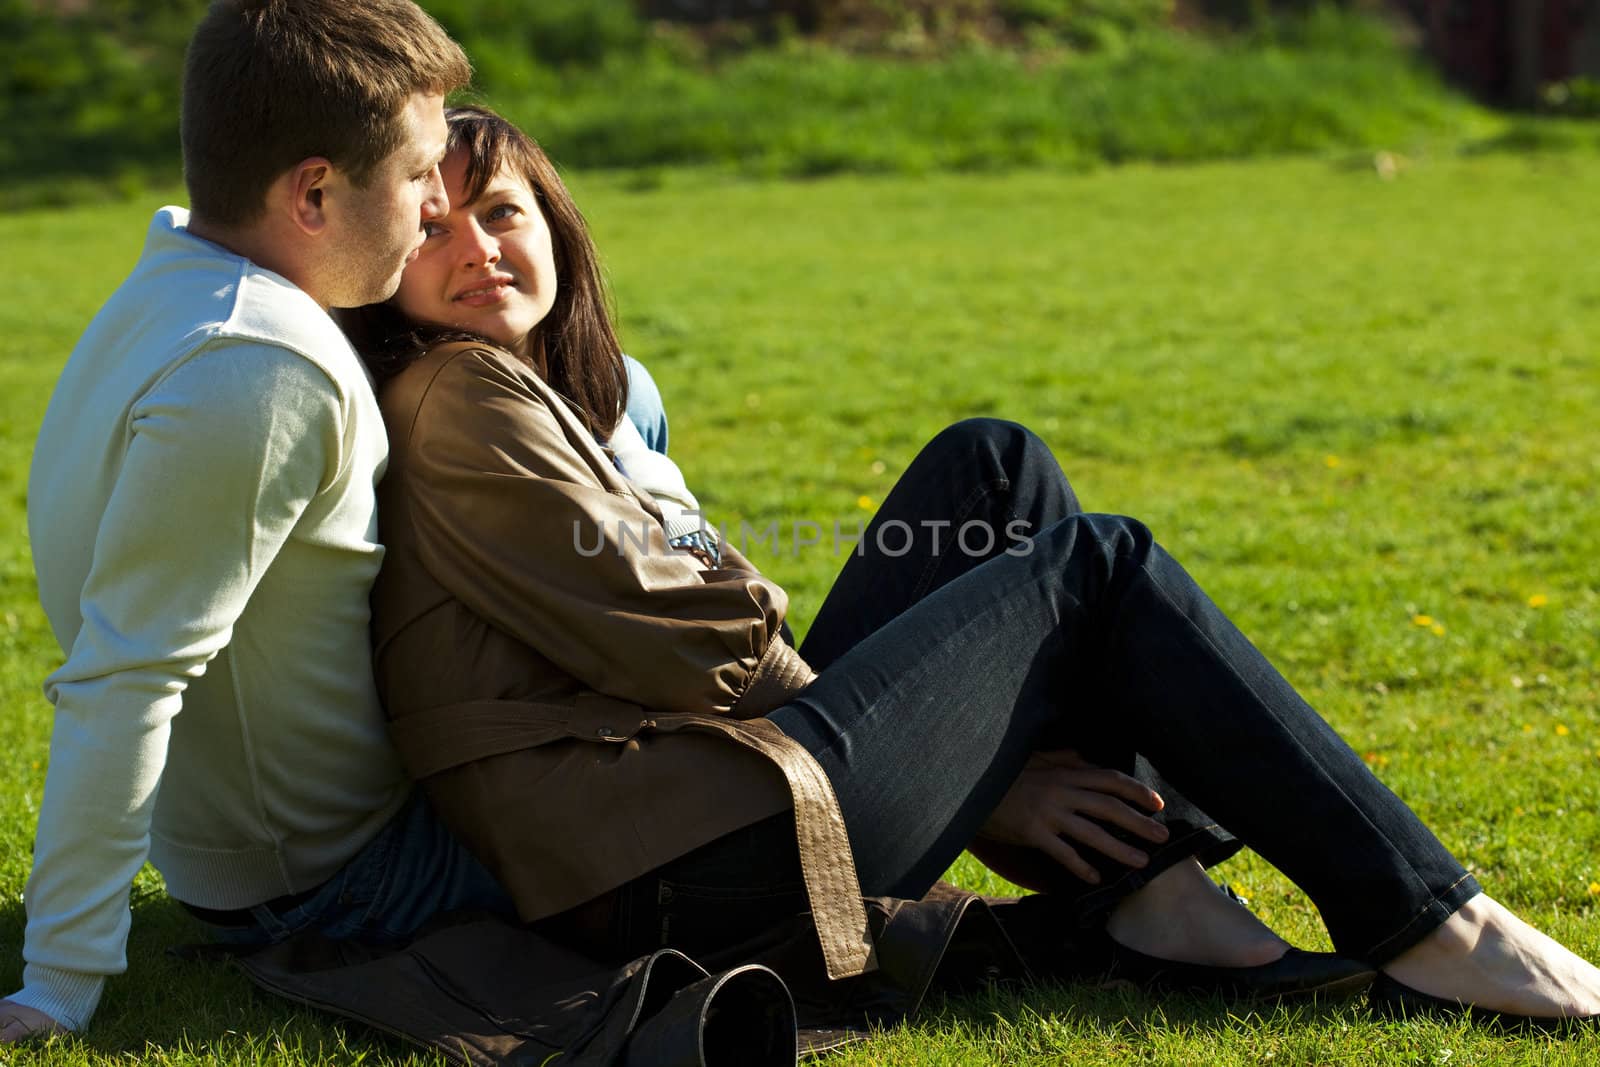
168	1009
172	1010
1120	1009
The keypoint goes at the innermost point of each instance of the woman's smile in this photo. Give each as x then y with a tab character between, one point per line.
486	293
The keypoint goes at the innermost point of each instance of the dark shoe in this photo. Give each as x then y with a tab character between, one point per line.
1294	975
1390	999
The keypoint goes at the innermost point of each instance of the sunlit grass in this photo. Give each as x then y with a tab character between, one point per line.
1347	404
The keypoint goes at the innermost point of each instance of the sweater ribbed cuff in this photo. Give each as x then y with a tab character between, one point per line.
68	997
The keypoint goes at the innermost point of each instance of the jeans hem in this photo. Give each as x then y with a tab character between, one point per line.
1214	844
1432	916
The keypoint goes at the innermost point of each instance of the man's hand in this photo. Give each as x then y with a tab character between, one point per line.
1048	802
19	1023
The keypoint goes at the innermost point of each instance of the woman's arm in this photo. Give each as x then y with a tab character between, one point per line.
510	514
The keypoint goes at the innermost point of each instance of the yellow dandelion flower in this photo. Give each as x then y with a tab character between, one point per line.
1538	600
864	502
1594	889
1561	730
1332	461
1422	620
1438	629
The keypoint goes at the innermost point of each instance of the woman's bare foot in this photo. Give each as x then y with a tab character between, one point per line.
1181	916
1487	957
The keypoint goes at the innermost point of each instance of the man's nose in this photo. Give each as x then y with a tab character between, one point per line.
436	204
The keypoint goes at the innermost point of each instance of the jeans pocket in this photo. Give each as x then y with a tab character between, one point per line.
348	903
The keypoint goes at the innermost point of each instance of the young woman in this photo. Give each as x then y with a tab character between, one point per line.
606	708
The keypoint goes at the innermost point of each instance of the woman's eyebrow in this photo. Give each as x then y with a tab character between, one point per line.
501	184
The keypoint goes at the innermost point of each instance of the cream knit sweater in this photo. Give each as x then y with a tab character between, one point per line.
201	511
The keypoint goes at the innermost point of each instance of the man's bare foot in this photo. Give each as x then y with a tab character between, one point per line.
1487	957
1181	916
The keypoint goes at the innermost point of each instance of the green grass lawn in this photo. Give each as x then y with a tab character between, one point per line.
1365	413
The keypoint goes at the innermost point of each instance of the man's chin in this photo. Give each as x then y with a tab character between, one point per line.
379	294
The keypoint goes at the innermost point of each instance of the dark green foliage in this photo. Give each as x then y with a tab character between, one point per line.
1086	23
935	25
1255	12
1577	97
503	36
810	110
90	100
94	94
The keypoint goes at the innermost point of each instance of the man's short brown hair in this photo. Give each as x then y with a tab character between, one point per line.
268	83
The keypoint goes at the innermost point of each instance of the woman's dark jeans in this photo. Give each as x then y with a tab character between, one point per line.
945	666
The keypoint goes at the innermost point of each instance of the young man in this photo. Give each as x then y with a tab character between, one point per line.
202	518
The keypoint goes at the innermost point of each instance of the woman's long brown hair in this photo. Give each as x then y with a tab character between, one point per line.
575	348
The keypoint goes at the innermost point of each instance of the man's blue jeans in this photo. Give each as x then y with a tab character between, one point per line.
645	408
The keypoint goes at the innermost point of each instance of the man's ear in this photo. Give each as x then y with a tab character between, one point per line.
308	183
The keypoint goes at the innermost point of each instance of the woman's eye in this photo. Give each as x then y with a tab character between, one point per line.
431	229
501	212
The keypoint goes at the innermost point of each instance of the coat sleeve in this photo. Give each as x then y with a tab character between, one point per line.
510	518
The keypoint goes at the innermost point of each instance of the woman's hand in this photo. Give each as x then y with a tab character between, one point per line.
1053	800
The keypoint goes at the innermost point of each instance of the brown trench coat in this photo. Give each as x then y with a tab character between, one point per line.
578	717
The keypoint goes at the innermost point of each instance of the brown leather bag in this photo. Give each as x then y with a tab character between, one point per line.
486	992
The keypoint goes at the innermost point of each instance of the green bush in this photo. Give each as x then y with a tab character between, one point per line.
1577	98
91	95
503	36
91	100
810	109
1087	23
1257	12
935	26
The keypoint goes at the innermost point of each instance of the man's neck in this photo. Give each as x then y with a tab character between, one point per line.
259	247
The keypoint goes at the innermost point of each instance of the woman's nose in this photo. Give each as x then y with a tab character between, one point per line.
482	249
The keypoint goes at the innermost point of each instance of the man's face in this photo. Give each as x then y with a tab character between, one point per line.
374	232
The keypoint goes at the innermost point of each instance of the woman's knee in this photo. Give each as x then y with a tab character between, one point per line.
1119	544
1002	450
982	431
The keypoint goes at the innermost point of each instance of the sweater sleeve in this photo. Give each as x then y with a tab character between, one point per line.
223	456
653	472
511	519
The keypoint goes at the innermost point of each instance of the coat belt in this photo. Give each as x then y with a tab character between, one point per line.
438	739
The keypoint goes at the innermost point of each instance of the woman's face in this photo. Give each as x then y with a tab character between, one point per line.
486	265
